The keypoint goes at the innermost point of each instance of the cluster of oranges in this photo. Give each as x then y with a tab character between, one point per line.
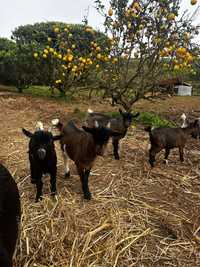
133	10
193	2
69	61
181	58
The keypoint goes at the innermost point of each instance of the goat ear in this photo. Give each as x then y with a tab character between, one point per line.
39	126
27	133
183	117
108	125
57	137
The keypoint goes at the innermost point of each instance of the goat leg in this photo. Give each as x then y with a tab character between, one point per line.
66	164
116	148
151	157
152	154
84	175
181	154
53	182
34	174
39	186
167	151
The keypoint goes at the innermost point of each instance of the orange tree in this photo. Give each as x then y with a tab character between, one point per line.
74	52
146	37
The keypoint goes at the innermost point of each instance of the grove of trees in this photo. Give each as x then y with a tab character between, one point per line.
143	41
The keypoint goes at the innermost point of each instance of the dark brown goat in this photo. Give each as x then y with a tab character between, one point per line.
185	123
82	146
168	138
119	124
42	158
9	216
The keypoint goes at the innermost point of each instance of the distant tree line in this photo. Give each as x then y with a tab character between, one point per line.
18	66
144	42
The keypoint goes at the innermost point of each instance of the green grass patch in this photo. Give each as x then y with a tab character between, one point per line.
152	119
45	92
38	91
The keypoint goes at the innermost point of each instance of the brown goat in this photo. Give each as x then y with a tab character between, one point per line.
168	138
9	216
82	146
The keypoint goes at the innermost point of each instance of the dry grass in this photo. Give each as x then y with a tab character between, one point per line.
137	217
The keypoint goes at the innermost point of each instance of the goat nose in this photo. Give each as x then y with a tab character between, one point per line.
100	150
41	153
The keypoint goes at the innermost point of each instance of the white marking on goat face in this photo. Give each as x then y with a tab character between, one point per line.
55	122
39	126
41	153
90	110
96	124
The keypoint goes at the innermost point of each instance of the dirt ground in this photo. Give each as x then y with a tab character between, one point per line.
138	216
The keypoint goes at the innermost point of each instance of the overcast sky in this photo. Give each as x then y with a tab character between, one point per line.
20	12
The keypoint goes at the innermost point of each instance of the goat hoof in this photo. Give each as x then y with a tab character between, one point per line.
38	199
88	196
117	157
67	174
165	161
152	164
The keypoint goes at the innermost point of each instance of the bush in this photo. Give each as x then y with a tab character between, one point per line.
154	120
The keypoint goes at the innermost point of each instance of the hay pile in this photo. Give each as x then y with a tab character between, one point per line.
137	217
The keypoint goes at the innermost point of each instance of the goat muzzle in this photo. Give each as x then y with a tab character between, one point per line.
41	153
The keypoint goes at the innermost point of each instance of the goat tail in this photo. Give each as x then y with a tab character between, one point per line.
90	110
56	123
148	129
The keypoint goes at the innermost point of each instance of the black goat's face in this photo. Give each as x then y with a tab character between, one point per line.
101	137
127	117
41	142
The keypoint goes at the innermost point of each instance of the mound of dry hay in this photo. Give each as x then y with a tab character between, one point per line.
137	217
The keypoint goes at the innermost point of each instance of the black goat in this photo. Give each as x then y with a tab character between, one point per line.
9	216
82	146
43	159
119	124
168	138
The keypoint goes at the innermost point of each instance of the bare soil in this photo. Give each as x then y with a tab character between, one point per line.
138	216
